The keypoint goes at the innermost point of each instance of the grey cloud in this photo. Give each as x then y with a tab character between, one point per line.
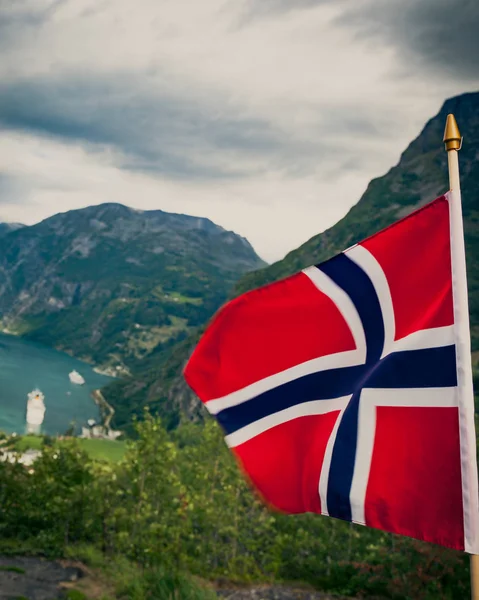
253	10
13	189
257	8
437	35
18	17
16	187
441	35
157	132
355	122
162	132
282	5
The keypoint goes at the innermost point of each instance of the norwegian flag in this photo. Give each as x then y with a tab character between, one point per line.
344	390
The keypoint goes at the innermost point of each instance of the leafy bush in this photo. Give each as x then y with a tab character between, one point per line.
164	585
177	503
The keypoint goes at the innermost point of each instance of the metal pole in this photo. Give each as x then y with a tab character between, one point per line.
453	142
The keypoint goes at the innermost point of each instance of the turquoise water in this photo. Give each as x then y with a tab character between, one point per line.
25	366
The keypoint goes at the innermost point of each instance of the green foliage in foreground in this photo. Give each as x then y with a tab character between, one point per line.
124	580
163	584
177	503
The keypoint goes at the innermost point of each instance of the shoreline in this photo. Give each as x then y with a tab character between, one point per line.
106	410
7	331
108	370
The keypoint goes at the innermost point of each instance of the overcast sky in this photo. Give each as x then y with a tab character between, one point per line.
267	116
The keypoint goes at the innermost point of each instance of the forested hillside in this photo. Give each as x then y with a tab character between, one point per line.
113	285
178	508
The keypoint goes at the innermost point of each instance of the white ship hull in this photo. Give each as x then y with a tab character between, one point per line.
75	377
35	409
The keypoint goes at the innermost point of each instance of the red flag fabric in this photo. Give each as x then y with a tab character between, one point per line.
337	387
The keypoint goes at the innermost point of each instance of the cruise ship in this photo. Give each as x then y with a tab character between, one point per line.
35	411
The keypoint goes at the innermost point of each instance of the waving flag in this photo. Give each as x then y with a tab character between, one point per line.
337	388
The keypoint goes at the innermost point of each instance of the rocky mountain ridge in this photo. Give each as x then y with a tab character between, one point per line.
109	283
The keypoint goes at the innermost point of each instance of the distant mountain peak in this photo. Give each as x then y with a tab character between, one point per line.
109	212
6	228
110	283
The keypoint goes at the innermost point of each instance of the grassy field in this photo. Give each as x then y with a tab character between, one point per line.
104	449
96	448
28	442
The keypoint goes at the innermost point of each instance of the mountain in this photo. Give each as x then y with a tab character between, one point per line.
8	227
420	176
111	284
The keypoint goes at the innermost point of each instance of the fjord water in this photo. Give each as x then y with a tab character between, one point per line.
26	365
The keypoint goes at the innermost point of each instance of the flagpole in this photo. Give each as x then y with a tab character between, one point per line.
453	143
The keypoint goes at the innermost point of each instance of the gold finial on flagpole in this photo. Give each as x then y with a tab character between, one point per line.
452	135
453	141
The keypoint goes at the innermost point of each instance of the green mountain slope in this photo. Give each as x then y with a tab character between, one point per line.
419	177
112	285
